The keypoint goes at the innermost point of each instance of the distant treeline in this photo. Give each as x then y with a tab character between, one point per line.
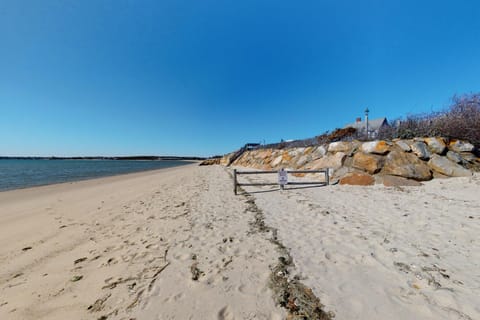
150	158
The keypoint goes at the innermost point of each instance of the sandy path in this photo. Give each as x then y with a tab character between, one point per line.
384	253
127	246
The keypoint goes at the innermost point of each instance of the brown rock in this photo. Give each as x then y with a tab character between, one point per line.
406	165
370	163
376	147
308	150
210	162
395	181
286	157
264	154
358	179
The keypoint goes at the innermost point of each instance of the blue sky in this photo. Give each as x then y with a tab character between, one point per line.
182	77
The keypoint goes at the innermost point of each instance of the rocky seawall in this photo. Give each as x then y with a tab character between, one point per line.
397	162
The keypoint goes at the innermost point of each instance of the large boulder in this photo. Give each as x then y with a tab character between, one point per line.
376	147
357	179
420	149
367	162
436	145
447	167
406	165
461	146
334	161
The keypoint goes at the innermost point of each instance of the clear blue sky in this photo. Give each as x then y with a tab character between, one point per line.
93	77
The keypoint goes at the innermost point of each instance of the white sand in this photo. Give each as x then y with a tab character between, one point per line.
125	246
384	253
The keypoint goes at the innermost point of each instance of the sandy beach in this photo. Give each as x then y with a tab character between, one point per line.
178	244
167	244
383	253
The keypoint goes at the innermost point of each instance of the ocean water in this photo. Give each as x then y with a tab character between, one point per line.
15	174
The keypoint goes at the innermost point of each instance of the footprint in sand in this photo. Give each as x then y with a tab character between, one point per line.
225	314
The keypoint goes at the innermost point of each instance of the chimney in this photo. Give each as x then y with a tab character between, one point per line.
358	120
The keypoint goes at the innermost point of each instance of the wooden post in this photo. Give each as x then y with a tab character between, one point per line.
327	176
235	181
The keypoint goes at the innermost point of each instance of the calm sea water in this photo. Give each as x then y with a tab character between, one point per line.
15	174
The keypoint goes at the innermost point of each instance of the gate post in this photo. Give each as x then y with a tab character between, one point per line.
235	181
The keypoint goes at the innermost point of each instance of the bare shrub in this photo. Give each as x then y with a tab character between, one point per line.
460	121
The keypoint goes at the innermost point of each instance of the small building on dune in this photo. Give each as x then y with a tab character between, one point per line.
374	126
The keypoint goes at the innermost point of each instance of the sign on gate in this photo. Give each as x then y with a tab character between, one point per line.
282	177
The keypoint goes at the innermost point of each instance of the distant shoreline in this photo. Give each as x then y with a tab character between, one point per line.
151	158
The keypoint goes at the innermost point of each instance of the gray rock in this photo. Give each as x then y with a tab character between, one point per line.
461	146
319	152
447	167
340	146
421	150
295	152
303	160
334	161
403	145
436	145
453	156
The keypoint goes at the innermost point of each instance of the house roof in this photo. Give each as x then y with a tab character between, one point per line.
373	124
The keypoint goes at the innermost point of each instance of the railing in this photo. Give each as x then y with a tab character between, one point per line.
282	180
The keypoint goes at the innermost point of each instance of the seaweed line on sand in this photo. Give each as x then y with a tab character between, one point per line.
299	300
